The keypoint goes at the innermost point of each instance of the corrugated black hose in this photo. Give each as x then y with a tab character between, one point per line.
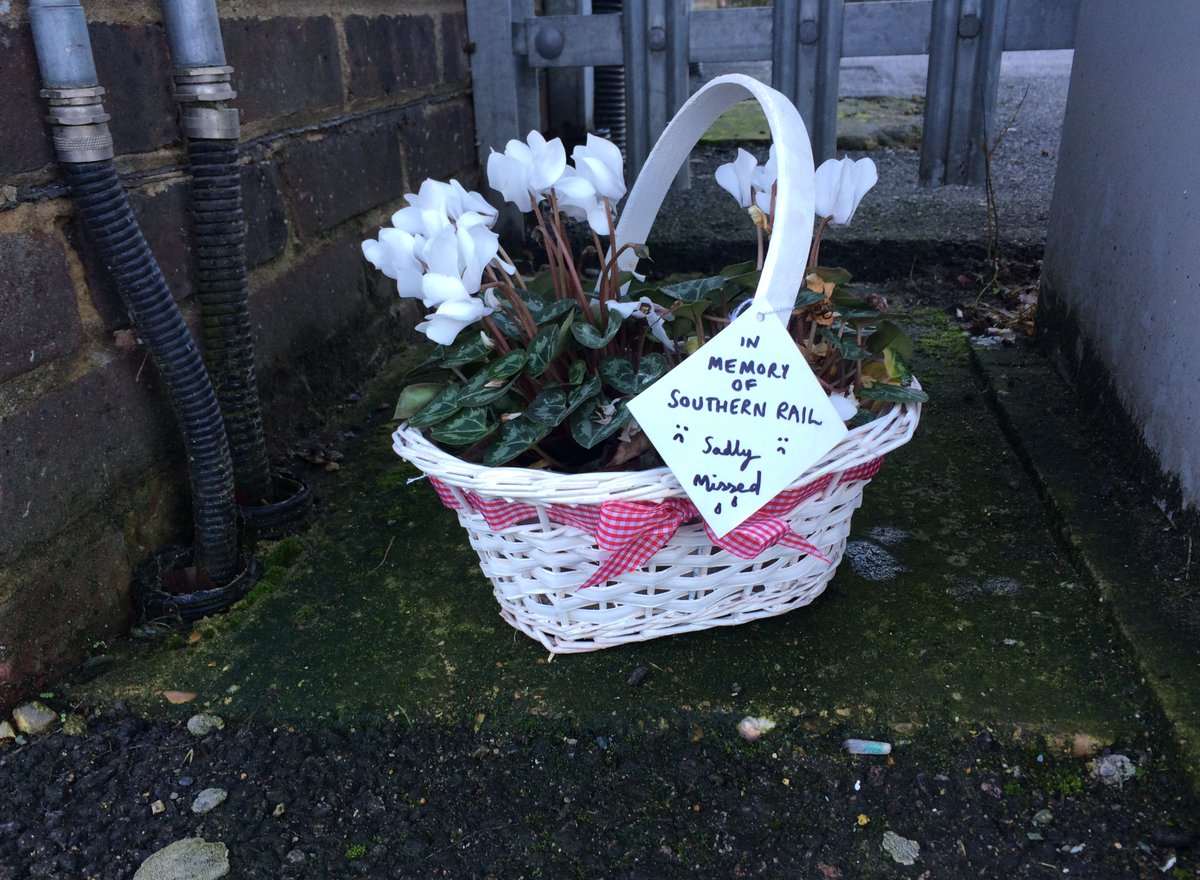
114	231
221	289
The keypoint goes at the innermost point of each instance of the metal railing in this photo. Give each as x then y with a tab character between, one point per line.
805	40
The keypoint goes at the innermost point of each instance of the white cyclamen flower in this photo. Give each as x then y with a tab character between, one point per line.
395	255
451	318
736	177
526	170
841	185
578	199
599	163
762	180
646	310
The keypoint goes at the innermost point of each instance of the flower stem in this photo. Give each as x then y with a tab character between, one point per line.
815	251
497	337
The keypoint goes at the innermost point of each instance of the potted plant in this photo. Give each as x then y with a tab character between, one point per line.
519	416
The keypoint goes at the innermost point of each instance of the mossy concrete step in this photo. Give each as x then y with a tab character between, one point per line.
1143	568
956	609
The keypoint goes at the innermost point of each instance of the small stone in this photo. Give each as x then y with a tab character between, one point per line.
279	810
638	676
6	731
294	857
74	725
1043	818
157	807
189	859
34	718
204	724
185	781
752	728
902	850
209	800
1114	769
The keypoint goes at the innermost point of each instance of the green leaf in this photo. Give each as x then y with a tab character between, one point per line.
549	407
444	405
807	297
695	289
890	335
578	371
434	360
483	389
739	269
833	274
509	365
860	418
516	435
464	428
414	397
896	367
467	352
588	336
858	314
508	323
618	372
588	425
893	394
542	283
845	345
547	345
545	309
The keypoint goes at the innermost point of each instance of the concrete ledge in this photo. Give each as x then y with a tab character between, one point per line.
1111	527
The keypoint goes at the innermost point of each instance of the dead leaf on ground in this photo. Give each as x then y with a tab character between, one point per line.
178	697
829	872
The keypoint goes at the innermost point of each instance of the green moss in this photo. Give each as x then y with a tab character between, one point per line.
355	851
284	553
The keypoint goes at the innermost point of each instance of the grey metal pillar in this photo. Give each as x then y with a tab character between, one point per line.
806	55
656	36
505	88
966	42
569	90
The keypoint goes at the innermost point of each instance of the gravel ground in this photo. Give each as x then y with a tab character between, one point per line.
691	797
900	224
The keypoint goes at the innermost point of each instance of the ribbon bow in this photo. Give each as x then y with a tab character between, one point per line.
633	531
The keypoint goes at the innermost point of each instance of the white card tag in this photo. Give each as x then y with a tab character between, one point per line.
738	421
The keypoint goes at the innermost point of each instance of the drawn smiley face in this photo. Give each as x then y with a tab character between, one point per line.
680	430
782	447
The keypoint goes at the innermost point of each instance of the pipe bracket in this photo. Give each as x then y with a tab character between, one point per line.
79	124
204	84
210	123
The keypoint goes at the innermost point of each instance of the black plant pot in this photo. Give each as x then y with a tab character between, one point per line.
286	514
165	587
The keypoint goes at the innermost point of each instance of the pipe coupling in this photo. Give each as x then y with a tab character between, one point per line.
201	92
79	124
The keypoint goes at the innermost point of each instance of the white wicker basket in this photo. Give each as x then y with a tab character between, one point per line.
537	566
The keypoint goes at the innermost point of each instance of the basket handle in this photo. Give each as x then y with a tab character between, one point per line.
783	270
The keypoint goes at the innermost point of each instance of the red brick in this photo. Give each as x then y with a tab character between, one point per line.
133	64
24	140
456	63
440	140
347	170
310	303
74	446
390	54
37	300
283	65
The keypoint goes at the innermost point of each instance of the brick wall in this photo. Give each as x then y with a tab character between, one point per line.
346	105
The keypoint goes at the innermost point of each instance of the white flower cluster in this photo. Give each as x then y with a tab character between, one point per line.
439	246
437	249
840	184
530	170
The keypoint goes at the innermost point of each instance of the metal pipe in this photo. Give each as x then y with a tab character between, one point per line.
194	33
85	150
203	88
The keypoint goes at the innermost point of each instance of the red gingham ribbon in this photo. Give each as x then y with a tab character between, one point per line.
633	531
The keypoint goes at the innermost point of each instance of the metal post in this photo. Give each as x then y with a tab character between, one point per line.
568	89
677	64
656	38
806	60
635	21
496	75
963	82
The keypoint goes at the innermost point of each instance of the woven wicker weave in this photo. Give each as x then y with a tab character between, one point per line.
537	567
